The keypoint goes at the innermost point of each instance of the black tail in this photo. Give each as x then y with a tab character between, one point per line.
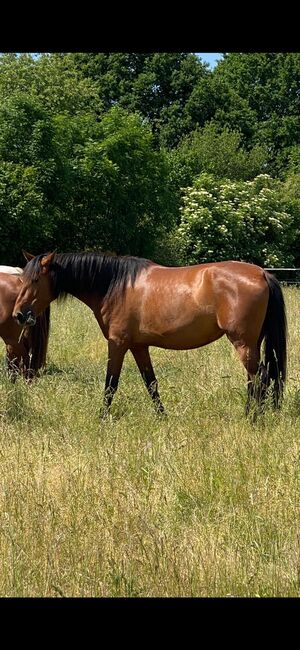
38	341
275	335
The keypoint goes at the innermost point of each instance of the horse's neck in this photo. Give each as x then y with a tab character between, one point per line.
67	283
12	270
92	300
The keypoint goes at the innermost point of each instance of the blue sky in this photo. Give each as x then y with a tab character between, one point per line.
210	57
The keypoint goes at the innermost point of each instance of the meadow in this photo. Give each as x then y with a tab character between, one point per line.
201	503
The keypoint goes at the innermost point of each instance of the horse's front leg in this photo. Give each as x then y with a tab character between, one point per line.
143	361
17	360
116	353
12	364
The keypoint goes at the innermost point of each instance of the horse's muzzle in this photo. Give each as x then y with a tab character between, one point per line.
25	319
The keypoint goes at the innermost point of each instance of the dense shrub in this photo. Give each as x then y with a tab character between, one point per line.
245	220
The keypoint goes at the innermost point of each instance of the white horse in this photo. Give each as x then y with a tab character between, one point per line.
13	270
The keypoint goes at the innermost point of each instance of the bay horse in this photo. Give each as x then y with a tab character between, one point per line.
25	348
138	303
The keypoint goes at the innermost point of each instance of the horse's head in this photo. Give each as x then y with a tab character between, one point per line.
35	293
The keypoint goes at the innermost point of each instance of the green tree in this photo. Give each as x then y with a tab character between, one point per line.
290	195
293	163
217	151
122	189
28	138
91	183
269	83
157	85
52	79
214	98
24	222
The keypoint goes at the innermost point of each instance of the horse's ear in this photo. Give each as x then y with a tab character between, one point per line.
27	256
46	261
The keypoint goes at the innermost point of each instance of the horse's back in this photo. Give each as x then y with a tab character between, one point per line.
187	307
11	270
9	288
204	283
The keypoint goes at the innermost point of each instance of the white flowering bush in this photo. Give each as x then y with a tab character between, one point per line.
225	219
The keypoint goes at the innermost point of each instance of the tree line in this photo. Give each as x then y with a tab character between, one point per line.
151	154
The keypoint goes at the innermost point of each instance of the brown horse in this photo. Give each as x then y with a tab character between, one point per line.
138	303
25	350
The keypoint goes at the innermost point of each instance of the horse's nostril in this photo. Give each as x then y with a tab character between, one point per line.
30	318
20	318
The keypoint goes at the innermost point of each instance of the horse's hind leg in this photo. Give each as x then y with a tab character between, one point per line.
250	357
143	361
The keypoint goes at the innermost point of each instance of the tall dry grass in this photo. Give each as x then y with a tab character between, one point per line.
202	503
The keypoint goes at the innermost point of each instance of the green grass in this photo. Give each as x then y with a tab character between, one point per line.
201	503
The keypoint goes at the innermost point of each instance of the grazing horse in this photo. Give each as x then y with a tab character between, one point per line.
25	348
138	303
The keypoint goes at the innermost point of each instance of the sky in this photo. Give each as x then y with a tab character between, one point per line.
210	57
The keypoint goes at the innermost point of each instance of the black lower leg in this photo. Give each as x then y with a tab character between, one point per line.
151	385
111	385
114	364
144	364
262	386
12	368
250	395
257	391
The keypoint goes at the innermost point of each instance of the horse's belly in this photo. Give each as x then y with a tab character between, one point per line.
181	333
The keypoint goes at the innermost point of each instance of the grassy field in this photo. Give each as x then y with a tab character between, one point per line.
201	503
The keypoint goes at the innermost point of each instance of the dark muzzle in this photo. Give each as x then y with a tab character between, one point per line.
26	319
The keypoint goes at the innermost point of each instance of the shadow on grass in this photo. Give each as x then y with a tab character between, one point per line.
53	369
76	373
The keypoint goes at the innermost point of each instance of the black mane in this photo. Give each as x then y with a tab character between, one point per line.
71	273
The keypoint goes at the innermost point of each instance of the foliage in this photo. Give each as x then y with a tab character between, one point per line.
290	196
269	85
124	184
244	220
293	164
158	85
31	170
24	223
109	142
100	182
52	79
215	151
